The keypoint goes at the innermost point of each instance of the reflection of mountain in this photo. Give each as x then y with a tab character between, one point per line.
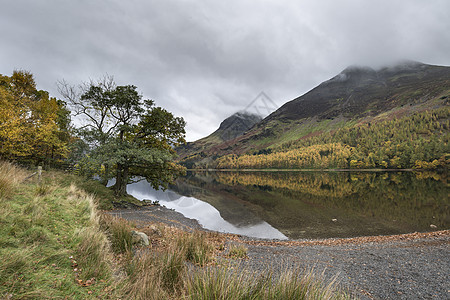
143	190
303	205
231	208
206	214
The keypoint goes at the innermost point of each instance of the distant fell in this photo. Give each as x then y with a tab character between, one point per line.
357	95
237	124
230	128
361	91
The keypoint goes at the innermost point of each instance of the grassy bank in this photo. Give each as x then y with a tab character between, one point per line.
56	244
50	241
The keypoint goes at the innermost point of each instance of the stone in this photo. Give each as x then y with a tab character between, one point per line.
155	230
146	202
139	238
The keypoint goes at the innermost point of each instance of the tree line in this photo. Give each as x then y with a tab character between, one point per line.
416	141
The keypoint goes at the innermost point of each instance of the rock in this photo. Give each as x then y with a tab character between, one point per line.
146	202
139	238
433	226
334	220
155	230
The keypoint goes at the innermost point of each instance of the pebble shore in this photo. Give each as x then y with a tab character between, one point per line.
408	266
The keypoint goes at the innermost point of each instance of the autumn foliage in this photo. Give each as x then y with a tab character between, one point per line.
417	141
33	126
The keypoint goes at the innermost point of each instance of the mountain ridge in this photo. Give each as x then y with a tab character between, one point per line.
357	94
229	129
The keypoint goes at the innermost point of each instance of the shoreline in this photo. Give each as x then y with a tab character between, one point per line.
161	214
306	170
403	266
353	240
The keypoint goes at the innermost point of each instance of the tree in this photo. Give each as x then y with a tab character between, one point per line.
127	135
33	126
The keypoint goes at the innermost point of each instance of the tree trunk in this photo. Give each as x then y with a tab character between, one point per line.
120	188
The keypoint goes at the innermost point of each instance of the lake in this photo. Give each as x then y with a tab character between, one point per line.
297	205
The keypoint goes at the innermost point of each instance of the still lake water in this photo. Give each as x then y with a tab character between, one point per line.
295	205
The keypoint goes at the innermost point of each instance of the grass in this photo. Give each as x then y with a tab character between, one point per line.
196	248
119	233
10	177
41	229
105	198
54	243
237	251
220	283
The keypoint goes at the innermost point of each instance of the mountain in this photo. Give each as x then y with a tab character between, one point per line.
236	125
362	91
231	128
357	95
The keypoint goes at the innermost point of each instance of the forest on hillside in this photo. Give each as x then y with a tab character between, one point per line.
419	141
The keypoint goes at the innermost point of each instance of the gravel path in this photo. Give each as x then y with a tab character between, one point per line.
412	266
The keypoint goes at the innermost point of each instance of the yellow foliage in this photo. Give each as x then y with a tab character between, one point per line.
333	155
28	120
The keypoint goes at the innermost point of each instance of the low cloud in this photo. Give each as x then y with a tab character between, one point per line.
207	60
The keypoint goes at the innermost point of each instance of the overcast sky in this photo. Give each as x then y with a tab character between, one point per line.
205	60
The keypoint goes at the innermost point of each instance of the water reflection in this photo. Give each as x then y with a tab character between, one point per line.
322	205
206	214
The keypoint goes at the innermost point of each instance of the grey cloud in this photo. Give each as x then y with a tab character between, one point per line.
204	60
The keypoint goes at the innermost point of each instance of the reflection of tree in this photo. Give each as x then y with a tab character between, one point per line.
230	207
321	184
413	203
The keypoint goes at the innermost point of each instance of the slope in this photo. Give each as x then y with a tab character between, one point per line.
231	128
357	95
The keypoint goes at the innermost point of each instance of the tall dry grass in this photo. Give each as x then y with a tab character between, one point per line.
237	251
155	275
10	177
118	231
229	283
195	247
183	270
93	253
